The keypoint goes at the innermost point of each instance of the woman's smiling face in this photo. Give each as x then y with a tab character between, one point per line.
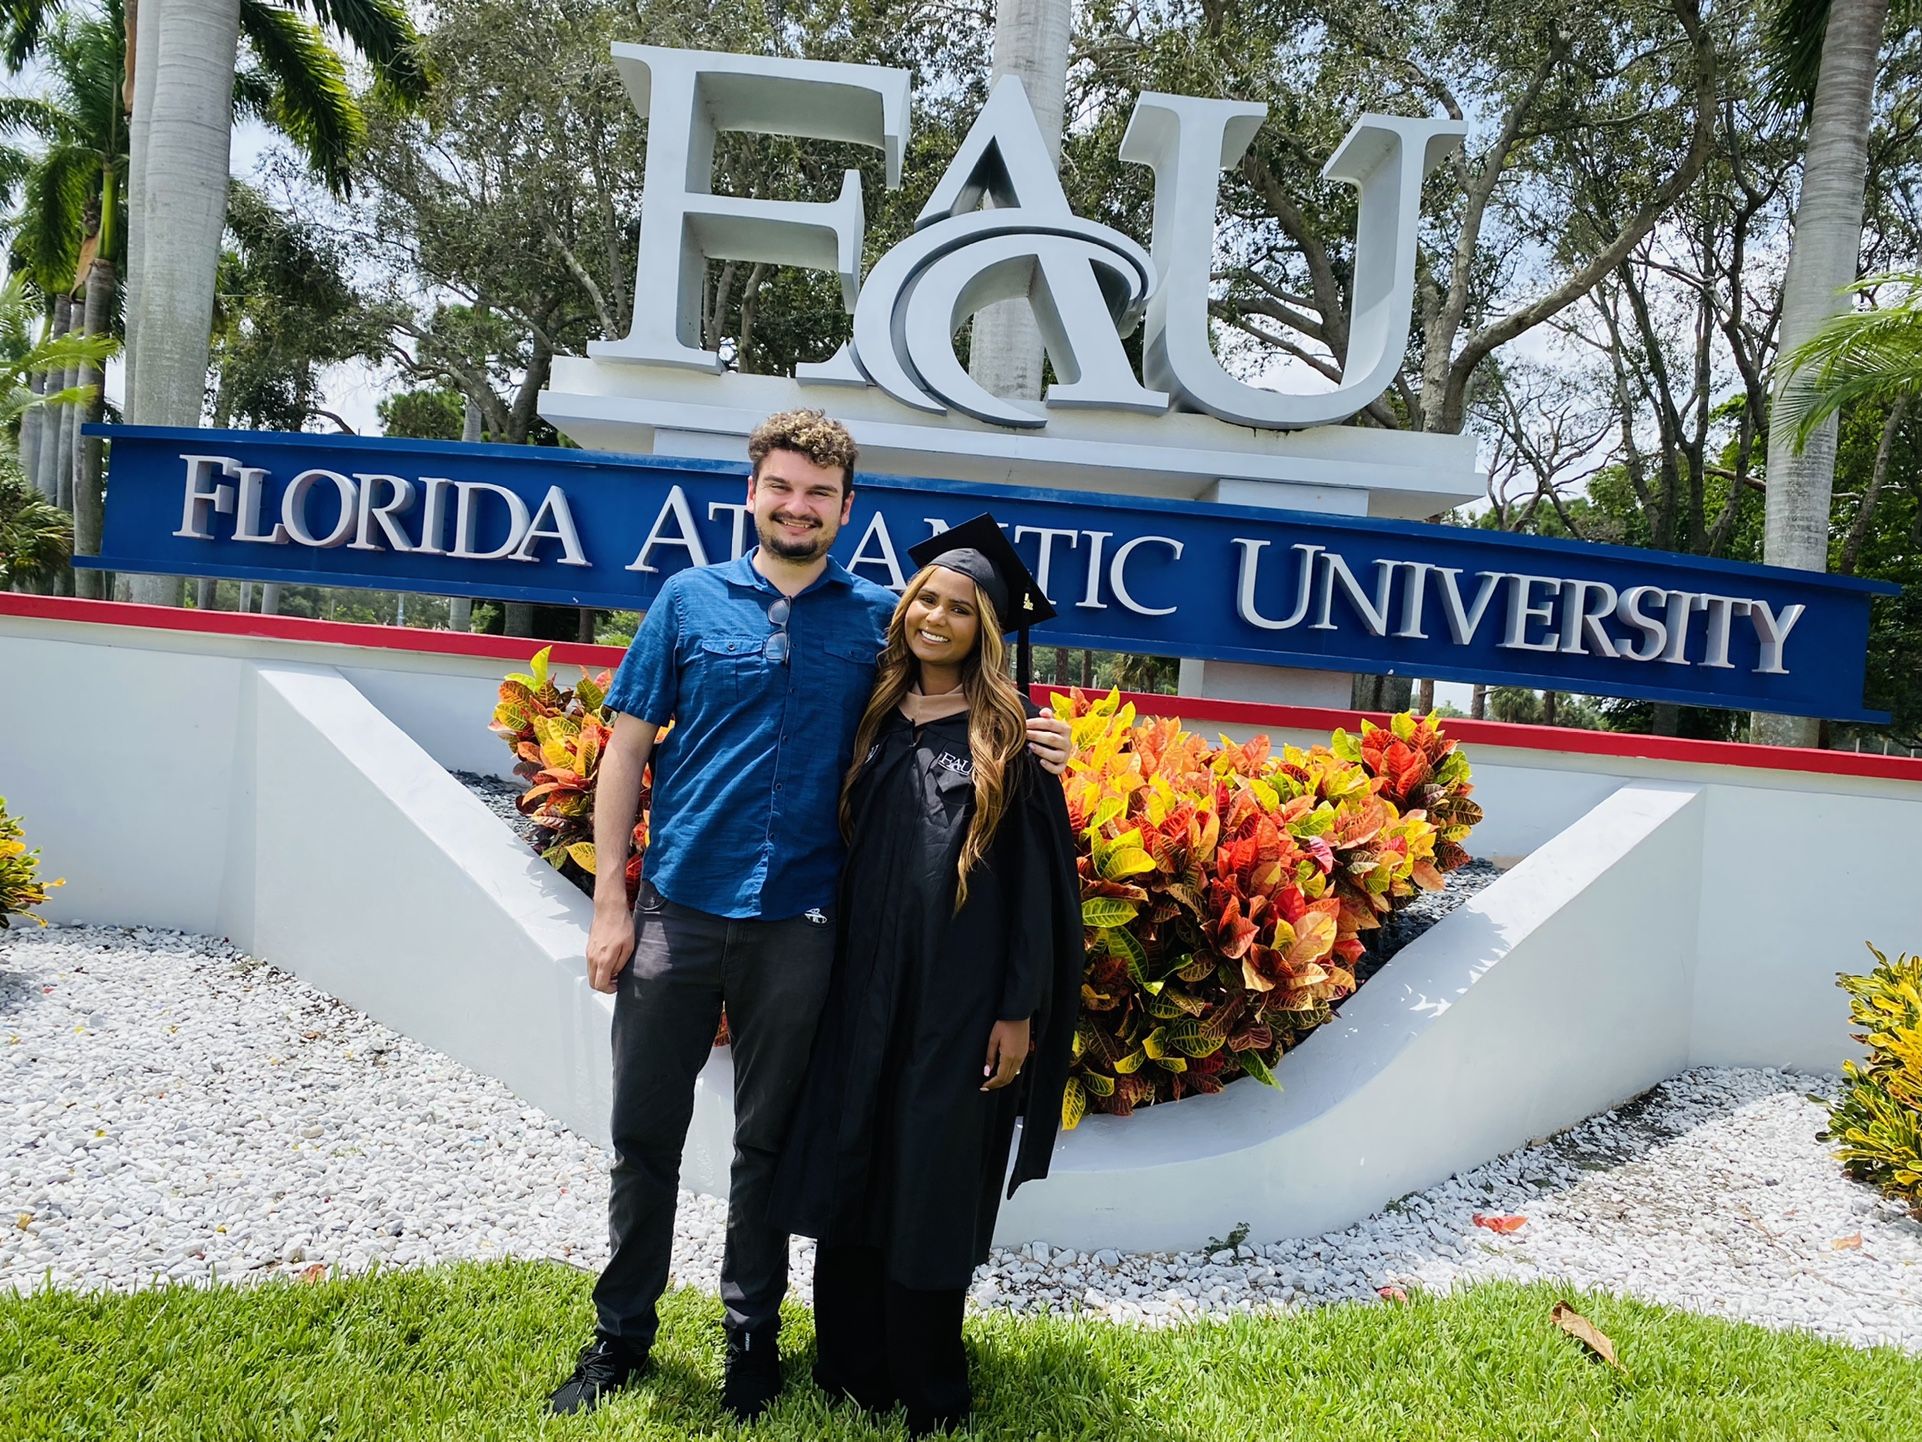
943	619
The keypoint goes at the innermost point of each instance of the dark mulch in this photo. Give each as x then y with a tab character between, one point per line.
1402	926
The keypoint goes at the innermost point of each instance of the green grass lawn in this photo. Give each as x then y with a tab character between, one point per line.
470	1352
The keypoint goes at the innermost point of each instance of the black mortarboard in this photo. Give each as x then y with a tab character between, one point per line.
980	550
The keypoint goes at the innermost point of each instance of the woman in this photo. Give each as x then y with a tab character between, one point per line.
952	1007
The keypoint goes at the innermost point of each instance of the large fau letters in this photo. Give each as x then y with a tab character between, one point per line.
689	96
1087	283
1187	142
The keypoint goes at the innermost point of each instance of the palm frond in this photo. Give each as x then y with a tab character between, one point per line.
381	31
53	215
1872	356
69	352
36	536
15	166
37	117
21	320
1792	32
85	58
312	104
253	94
24	25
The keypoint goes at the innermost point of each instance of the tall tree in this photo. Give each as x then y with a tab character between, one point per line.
1847	37
1031	44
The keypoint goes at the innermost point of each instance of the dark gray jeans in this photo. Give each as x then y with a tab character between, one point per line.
773	977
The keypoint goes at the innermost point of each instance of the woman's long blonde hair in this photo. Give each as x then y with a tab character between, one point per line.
997	719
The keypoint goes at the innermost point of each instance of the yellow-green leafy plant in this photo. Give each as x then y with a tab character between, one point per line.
1877	1121
20	886
1226	890
557	735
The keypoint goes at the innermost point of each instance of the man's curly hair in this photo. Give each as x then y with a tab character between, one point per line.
824	441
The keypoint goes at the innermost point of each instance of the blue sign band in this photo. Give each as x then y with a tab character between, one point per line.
1174	578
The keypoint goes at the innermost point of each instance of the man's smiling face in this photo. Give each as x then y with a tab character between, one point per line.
799	507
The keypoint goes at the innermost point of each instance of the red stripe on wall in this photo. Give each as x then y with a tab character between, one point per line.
1192	709
299	628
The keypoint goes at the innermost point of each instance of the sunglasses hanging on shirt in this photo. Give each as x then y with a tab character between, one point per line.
776	649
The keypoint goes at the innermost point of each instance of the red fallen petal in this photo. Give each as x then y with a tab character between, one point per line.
1495	1222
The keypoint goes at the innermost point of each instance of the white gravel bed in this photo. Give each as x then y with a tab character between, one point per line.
174	1109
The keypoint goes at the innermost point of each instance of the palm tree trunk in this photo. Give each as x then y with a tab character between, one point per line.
460	609
67	447
1478	702
1030	41
87	495
1822	259
1424	696
182	212
88	500
30	429
136	98
46	475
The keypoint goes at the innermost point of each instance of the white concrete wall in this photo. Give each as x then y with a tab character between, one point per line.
380	879
118	760
293	797
1793	882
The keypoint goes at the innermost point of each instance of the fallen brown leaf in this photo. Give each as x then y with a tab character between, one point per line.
1585	1332
1496	1222
313	1273
1848	1243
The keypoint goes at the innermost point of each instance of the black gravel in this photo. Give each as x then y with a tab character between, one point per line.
499	797
1406	923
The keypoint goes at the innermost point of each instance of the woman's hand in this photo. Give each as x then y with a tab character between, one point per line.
1007	1049
1048	739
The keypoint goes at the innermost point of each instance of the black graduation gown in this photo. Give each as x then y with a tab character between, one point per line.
894	1145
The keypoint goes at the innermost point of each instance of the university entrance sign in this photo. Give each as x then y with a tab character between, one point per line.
1127	574
1165	511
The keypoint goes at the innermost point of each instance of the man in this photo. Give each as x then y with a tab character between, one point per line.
764	665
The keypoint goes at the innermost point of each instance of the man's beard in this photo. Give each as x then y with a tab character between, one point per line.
805	549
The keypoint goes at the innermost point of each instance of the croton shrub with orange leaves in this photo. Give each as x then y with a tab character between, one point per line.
557	734
1227	891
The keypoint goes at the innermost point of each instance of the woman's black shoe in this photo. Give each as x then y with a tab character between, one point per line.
751	1374
935	1424
869	1394
604	1366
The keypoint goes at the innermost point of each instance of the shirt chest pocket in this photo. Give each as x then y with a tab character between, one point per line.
733	670
848	671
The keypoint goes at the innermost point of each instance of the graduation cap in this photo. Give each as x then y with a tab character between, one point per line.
981	551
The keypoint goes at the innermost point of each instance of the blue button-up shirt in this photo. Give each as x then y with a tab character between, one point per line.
747	785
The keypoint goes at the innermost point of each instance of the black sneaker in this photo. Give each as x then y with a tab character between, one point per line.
604	1367
751	1374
